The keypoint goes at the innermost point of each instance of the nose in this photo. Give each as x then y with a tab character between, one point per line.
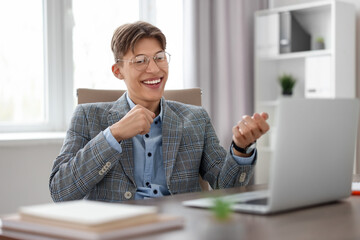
152	66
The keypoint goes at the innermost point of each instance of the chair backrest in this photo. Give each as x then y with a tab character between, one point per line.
87	95
188	96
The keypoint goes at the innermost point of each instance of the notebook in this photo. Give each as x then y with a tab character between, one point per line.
84	219
313	159
88	215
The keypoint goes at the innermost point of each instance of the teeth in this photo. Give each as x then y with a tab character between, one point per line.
152	81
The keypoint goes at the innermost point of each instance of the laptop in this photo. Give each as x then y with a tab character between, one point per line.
314	152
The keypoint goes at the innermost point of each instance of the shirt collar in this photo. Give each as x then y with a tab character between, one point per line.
132	104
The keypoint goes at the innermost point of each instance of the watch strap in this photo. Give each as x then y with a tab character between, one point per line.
240	149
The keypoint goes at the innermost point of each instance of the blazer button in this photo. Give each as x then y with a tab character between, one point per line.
127	195
242	177
101	172
108	164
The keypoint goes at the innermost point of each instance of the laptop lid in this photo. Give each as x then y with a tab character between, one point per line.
314	152
313	157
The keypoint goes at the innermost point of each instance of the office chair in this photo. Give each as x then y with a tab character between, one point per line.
188	96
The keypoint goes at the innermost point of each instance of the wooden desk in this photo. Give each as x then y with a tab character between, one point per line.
340	220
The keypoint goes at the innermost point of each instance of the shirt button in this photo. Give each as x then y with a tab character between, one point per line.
155	191
127	195
156	122
147	183
147	135
149	154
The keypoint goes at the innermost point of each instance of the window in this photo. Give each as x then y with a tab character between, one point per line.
22	83
169	18
93	31
49	48
92	35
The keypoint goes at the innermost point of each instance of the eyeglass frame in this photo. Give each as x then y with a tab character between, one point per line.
147	59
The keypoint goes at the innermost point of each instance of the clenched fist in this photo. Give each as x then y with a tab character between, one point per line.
137	121
249	129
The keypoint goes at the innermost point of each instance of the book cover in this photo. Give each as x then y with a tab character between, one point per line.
14	226
89	215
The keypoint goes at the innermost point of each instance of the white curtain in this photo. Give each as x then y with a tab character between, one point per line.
218	39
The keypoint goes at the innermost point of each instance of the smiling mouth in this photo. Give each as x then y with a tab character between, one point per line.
152	81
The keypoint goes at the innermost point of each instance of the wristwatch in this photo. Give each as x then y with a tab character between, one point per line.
246	150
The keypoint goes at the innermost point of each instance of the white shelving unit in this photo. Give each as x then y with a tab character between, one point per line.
325	73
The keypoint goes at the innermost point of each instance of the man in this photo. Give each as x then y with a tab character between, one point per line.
142	145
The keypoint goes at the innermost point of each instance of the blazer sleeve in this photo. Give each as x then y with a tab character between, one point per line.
218	166
84	160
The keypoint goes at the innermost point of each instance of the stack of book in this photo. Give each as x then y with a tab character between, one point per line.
85	219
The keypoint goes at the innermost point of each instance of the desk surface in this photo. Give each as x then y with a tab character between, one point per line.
340	220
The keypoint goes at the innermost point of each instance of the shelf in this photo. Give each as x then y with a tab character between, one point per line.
273	103
297	55
324	73
298	7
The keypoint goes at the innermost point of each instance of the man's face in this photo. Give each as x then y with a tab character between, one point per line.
144	86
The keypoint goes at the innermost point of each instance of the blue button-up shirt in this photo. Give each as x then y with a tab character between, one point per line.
149	172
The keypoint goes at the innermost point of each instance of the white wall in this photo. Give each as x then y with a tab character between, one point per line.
24	174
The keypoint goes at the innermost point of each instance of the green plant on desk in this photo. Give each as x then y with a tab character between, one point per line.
222	209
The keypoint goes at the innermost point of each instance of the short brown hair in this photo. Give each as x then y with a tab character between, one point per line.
126	36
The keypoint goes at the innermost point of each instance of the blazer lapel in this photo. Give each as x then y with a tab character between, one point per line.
118	111
172	128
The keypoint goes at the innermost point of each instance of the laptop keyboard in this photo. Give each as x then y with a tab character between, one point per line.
255	197
261	201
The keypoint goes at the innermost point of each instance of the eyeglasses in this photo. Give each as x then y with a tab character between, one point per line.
141	62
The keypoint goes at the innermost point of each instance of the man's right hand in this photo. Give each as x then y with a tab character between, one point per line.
137	121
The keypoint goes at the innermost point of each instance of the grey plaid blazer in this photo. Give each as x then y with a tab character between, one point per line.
88	167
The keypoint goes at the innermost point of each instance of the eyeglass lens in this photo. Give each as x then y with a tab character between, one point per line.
141	62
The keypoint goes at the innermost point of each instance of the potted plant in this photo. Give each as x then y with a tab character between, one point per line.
222	209
287	83
319	43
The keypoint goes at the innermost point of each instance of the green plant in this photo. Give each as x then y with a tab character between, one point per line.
222	209
320	40
287	83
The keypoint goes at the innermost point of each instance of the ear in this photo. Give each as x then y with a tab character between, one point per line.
117	71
